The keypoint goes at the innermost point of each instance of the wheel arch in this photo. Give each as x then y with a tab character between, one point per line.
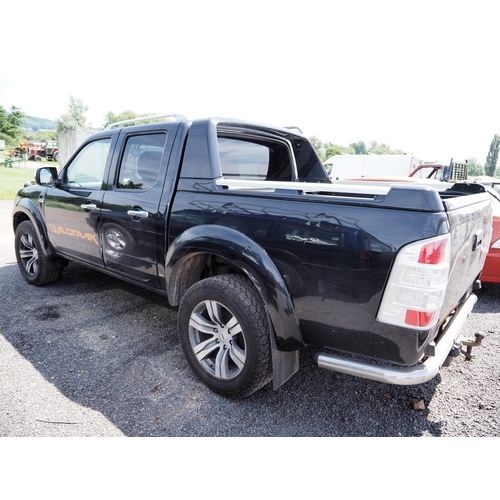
194	250
26	210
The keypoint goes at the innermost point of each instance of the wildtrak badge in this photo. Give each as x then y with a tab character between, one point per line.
74	233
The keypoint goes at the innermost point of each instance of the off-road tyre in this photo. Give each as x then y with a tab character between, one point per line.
225	335
31	259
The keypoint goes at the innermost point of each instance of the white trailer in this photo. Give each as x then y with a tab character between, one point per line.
352	166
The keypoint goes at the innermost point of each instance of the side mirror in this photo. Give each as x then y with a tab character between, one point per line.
46	176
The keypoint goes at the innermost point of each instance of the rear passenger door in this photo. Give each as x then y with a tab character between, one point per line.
130	234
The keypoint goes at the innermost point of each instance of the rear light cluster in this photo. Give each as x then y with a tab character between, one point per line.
417	284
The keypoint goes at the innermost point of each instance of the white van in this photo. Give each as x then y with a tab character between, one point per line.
349	166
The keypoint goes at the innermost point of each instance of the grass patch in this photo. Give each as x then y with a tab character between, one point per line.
13	179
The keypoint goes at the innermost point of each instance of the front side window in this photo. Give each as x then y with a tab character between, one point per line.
87	169
141	161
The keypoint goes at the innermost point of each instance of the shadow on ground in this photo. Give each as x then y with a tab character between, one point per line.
113	347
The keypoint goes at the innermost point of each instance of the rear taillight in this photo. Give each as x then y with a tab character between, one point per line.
433	252
417	284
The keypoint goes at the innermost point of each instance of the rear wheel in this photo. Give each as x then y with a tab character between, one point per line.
225	335
32	262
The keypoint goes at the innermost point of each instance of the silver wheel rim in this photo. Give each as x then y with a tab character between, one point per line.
28	254
217	340
115	239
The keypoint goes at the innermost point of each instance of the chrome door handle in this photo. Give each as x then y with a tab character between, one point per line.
88	206
138	213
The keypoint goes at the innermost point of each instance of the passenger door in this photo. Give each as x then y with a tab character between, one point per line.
73	206
132	242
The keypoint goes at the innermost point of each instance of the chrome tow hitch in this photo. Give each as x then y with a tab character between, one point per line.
458	349
470	343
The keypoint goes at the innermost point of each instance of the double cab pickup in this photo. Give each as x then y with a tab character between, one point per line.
239	227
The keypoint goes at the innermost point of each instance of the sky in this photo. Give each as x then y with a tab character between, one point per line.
422	76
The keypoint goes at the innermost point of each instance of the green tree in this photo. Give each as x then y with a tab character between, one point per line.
491	160
376	148
124	115
474	168
318	146
10	123
128	115
326	150
316	143
46	135
75	118
359	147
334	150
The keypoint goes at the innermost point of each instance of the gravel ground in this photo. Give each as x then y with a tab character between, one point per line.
93	356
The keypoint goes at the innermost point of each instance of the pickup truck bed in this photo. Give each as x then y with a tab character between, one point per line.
238	225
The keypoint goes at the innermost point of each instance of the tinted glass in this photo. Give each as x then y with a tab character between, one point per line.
254	160
141	161
87	169
264	159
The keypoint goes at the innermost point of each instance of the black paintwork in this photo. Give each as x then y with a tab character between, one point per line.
319	262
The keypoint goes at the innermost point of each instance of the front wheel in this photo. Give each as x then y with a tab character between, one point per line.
32	262
225	335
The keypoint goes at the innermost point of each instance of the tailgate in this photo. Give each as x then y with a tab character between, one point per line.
470	219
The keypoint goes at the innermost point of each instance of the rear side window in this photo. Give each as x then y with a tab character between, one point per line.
254	159
141	161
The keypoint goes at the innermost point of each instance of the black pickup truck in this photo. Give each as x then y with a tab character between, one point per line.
238	225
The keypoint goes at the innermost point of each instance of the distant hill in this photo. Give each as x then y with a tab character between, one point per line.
36	124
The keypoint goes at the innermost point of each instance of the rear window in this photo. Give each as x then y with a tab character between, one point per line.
264	159
245	159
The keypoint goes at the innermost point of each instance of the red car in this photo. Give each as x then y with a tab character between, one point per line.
491	269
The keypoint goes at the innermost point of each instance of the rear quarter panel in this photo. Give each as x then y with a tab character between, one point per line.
334	257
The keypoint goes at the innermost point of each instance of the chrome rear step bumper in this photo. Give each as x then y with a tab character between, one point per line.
411	375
